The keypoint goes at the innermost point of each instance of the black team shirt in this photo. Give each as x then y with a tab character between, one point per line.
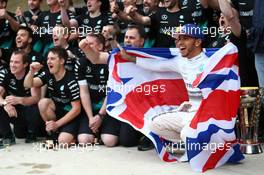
13	86
62	92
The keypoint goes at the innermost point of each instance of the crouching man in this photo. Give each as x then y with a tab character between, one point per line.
61	109
18	105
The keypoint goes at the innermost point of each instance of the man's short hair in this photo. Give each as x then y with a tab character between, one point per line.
99	38
140	30
61	52
24	55
28	29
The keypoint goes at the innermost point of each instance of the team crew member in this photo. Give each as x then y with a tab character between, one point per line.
47	20
236	33
110	32
165	21
8	26
60	38
24	39
120	16
30	16
34	11
134	37
18	104
61	109
92	80
95	18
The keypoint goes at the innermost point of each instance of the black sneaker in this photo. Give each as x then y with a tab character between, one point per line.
7	141
145	144
31	138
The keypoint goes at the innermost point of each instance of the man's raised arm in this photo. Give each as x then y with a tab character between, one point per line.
136	17
94	56
30	81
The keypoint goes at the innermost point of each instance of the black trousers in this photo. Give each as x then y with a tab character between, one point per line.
28	120
128	136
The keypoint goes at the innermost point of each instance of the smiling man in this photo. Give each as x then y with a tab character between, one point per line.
189	65
61	110
18	104
24	40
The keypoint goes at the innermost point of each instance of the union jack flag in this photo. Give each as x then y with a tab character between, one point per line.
212	129
136	95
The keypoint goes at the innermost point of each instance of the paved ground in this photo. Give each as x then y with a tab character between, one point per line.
23	159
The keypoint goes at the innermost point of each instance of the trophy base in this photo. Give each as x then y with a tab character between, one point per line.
251	148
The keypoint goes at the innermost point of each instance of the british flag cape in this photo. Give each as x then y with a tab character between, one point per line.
136	95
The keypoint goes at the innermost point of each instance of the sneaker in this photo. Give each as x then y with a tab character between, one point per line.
145	144
31	138
7	141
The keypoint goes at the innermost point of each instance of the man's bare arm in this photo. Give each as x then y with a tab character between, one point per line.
94	56
30	81
136	17
232	17
73	113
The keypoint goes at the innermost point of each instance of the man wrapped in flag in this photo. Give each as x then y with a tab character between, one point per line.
185	123
190	63
205	125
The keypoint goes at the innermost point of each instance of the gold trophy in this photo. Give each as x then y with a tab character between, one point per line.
248	123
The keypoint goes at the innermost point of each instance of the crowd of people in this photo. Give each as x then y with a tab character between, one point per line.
53	63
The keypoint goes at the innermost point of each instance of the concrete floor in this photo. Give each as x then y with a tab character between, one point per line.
23	159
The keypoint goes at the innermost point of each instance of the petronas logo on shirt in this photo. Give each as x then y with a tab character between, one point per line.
62	88
102	71
46	18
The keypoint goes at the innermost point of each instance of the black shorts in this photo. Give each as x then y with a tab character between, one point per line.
72	126
84	125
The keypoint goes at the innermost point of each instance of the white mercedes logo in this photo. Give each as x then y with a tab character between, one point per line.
46	18
88	69
13	82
